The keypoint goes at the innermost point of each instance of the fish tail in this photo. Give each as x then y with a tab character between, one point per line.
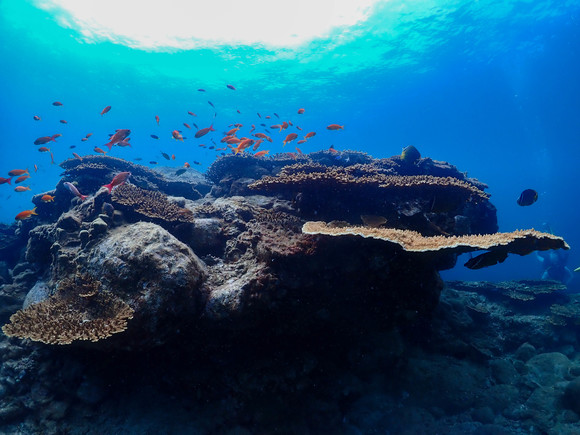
34	211
109	145
10	181
83	197
109	187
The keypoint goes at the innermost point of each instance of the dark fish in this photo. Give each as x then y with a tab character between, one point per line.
180	171
211	147
263	125
165	155
153	162
276	115
154	136
201	90
57	103
211	104
196	163
486	259
137	159
410	154
258	113
195	125
231	87
528	197
72	147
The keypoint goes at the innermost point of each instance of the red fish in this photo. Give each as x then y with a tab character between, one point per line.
257	144
100	151
36	118
191	113
335	127
78	157
157	119
332	150
5	180
118	179
231	87
246	143
22	178
105	110
88	135
284	126
261	153
125	142
57	103
261	135
186	165
300	111
21	188
51	158
186	124
17	172
290	138
177	135
26	214
119	136
63	121
300	142
309	135
54	136
84	139
204	131
43	149
73	189
45	139
299	150
172	156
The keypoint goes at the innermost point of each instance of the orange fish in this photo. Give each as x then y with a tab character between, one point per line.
300	142
125	142
332	150
35	168
284	126
299	150
119	136
232	131
26	214
186	165
78	157
172	156
191	113
246	143
43	149
177	135
293	155
100	151
36	118
233	140
5	180
17	172
45	139
309	135
204	131
268	117
261	153
57	103
47	198
290	138
63	121
335	127
22	178
257	144
21	188
186	124
51	158
118	179
300	111
157	119
105	110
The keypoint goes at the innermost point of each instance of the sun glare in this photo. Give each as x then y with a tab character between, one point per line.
188	24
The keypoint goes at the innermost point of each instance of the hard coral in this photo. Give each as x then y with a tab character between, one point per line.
79	310
521	242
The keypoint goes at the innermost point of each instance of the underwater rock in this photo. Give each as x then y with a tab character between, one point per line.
156	274
571	398
38	293
69	221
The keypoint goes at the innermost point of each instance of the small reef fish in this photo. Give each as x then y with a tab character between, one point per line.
43	149
17	172
300	111
527	197
238	110
177	135
152	162
186	165
259	116
119	136
157	119
196	163
36	118
410	154
88	135
22	178
35	168
211	104
284	126
84	139
125	143
54	136
180	171
373	221
232	131
57	103
21	188
138	159
63	121
45	139
5	180
191	113
300	142
26	214
72	147
77	157
231	87
201	90
154	136
47	198
335	127
261	153
276	115
186	125
257	144
118	180
51	158
166	156
195	125
73	189
172	156
105	110
204	131
299	150
100	151
332	149
289	138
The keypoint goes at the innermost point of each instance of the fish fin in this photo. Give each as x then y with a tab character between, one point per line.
10	181
34	211
108	186
109	145
83	197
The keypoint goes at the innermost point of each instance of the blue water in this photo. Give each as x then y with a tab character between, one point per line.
490	86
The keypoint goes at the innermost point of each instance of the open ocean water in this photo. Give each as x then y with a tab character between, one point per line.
490	86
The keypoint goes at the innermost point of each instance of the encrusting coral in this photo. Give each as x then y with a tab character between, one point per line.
79	310
521	242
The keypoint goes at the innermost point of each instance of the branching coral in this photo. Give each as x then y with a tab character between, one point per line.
79	310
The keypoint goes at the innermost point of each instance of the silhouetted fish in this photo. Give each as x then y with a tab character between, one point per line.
527	197
154	136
